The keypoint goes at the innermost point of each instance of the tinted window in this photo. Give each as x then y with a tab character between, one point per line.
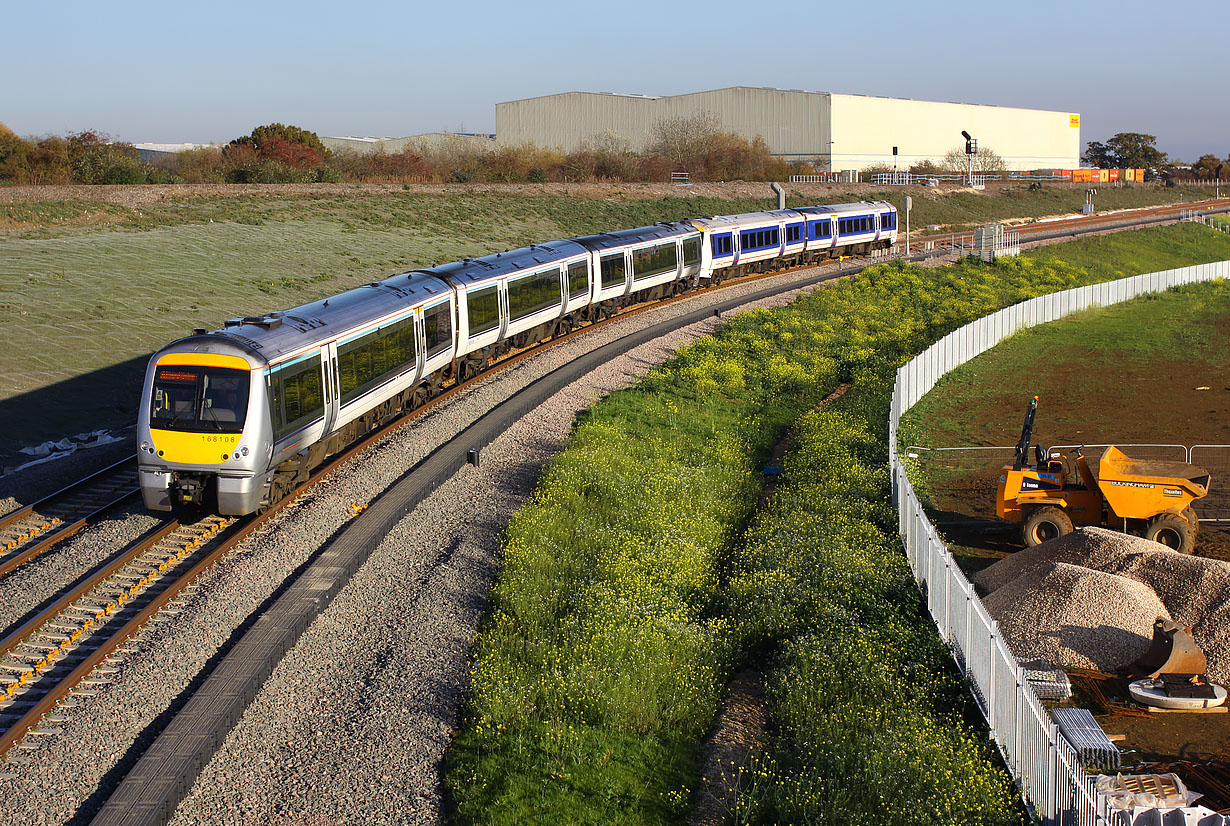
482	310
691	251
438	327
199	399
533	293
654	260
578	278
613	269
296	396
365	362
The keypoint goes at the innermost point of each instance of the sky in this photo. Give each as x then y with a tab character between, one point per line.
179	72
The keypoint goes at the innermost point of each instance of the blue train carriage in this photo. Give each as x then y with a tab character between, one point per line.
850	229
643	264
752	242
510	300
239	416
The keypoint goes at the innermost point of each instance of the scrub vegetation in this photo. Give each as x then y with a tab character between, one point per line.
639	579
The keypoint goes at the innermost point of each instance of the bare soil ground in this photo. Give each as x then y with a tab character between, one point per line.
1089	395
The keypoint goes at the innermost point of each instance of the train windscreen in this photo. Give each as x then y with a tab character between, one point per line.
199	399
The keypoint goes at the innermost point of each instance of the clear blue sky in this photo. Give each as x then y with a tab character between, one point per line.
174	72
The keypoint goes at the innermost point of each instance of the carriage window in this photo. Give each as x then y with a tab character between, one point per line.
372	359
613	270
578	278
691	251
438	327
532	293
296	395
482	310
654	260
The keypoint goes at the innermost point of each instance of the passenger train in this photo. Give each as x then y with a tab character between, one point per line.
234	419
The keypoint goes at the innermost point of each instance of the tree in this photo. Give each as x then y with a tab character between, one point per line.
13	155
1206	167
986	162
683	141
1134	150
1099	155
290	145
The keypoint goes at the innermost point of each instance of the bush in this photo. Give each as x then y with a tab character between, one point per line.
108	163
14	154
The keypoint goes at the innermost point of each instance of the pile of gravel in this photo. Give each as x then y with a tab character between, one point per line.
1191	590
1076	617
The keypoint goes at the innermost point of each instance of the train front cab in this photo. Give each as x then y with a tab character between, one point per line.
203	433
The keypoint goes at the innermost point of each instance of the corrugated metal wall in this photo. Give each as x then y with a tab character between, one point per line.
793	123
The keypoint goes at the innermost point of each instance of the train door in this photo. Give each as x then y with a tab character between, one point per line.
332	393
502	292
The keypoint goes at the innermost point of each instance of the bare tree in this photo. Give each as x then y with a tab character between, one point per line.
682	139
986	162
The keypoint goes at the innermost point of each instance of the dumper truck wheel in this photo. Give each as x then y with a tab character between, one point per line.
1175	532
1191	517
1045	524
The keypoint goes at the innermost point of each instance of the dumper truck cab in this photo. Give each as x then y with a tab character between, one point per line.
1056	494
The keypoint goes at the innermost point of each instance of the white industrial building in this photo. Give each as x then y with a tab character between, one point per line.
832	131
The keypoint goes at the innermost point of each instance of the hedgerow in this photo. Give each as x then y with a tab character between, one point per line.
636	582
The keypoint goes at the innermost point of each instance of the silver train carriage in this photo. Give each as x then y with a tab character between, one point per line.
237	417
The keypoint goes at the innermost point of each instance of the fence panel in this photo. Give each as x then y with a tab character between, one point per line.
1215	459
1045	766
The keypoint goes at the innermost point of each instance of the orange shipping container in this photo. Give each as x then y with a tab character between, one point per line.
1066	174
1103	176
1113	175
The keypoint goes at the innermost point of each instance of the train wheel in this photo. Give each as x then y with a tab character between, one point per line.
1045	524
1173	531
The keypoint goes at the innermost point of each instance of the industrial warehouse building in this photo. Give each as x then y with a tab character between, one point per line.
833	131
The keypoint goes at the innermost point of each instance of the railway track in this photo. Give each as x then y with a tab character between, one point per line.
31	531
1071	227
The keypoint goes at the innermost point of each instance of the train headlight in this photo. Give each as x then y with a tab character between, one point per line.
225	456
244	451
145	446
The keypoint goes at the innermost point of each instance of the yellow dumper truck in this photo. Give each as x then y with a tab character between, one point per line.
1048	499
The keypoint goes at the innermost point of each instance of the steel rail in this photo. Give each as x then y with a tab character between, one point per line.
17	556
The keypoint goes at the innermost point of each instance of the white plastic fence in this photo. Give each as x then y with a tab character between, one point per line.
1044	765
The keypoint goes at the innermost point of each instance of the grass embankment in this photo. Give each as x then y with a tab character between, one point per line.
628	595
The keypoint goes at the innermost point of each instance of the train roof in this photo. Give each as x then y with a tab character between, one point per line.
845	209
627	237
744	219
525	259
272	336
